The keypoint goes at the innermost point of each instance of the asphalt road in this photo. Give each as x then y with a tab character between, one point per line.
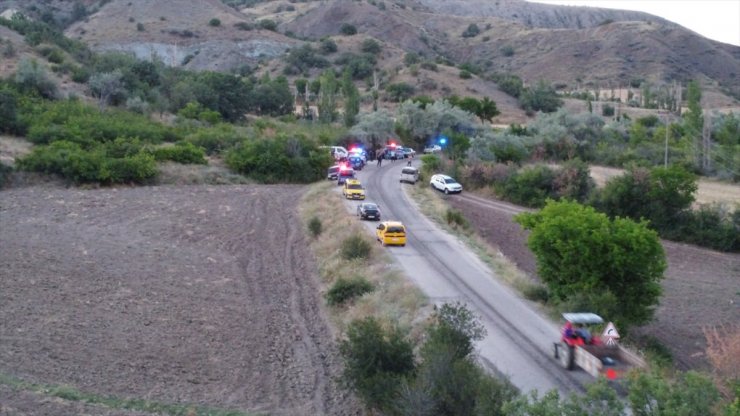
519	341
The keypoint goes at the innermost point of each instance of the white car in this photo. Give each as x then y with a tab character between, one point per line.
433	149
445	184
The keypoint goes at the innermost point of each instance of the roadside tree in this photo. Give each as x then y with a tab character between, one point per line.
581	252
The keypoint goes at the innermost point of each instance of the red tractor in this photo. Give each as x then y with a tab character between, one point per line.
594	354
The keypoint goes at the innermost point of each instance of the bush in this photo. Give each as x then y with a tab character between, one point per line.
181	152
530	187
5	172
267	24
456	218
214	22
607	111
371	46
345	290
471	31
244	26
328	46
355	247
216	139
348	29
279	160
465	74
315	227
375	361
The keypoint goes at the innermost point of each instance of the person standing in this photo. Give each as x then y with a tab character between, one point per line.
380	158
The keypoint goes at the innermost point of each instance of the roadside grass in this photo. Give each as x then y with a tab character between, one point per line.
393	299
432	204
72	394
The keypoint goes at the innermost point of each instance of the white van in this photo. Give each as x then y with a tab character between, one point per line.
410	175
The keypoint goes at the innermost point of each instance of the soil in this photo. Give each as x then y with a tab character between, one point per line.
198	295
700	288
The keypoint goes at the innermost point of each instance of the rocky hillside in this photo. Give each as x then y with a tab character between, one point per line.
572	47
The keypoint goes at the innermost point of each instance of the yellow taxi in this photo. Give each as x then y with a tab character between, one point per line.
391	233
353	189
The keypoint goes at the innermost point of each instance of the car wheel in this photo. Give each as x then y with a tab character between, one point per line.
447	191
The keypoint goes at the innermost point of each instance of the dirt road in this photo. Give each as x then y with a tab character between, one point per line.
199	295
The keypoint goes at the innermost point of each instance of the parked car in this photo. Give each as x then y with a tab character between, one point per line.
410	175
433	149
408	152
332	172
391	233
344	174
368	211
353	189
445	184
355	162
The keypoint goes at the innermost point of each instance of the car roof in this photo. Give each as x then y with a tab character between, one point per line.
352	182
440	175
393	223
583	318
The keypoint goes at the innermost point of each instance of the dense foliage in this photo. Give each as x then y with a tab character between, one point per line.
280	159
581	252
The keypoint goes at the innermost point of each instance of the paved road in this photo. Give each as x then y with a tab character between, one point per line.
519	340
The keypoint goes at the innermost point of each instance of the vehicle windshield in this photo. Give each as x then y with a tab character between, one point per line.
370	207
354	186
450	180
347	173
396	229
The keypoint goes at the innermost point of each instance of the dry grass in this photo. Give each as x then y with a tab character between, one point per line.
723	350
394	298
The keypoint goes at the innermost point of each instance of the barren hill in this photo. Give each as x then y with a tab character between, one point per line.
180	33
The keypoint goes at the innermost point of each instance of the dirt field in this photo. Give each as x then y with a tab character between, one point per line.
700	289
198	295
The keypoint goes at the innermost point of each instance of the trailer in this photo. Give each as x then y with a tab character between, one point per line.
597	355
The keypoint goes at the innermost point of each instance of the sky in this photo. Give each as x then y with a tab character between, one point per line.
715	19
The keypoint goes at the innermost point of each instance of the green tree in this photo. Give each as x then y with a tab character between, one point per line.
106	86
487	110
472	31
374	128
351	99
400	91
694	118
348	29
371	46
541	97
582	252
688	394
8	111
328	97
32	77
659	195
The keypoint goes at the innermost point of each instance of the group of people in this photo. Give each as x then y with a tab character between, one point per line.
579	331
381	156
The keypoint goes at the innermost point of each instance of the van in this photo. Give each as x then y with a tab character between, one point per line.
410	175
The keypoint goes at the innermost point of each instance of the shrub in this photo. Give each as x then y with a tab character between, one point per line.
345	290
328	46
315	226
244	26
355	247
214	22
529	187
375	361
471	31
510	84
507	51
5	172
348	29
465	74
536	292
140	27
181	152
456	218
215	139
400	91
267	24
411	58
607	111
371	46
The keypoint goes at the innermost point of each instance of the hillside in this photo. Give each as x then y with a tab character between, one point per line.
574	48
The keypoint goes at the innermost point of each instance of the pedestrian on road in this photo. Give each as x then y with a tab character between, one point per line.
380	159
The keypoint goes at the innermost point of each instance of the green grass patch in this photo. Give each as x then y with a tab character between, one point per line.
71	393
345	290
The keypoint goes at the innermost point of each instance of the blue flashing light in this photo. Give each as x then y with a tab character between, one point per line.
443	140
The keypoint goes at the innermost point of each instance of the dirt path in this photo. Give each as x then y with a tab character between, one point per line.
201	295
